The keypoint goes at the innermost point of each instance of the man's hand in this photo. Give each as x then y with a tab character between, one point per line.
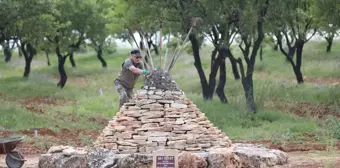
150	73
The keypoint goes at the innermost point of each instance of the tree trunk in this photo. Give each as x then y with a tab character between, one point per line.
28	61
28	54
220	87
233	65
214	68
48	58
215	64
291	53
155	48
198	65
61	69
99	56
261	53
330	42
7	53
247	84
213	57
297	69
72	60
276	46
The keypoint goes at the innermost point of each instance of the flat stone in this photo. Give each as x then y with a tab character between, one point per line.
125	143
177	105
177	92
139	137
120	128
153	105
127	148
134	108
259	156
155	134
132	113
153	114
69	151
111	146
159	93
165	101
184	127
120	119
153	120
157	139
124	135
179	144
144	102
155	97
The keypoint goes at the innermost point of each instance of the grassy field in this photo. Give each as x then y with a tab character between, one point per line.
288	113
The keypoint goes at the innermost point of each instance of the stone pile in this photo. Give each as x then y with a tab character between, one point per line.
161	119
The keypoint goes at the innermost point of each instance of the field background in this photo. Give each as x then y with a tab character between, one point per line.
291	117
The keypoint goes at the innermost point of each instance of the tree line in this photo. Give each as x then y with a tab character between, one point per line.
62	26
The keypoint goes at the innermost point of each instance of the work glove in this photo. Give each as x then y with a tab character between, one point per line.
145	72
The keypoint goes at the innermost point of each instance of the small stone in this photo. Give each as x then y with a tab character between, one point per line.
157	139
69	151
166	105
120	128
155	97
107	132
152	88
177	93
151	92
177	105
159	93
113	123
111	146
139	137
179	144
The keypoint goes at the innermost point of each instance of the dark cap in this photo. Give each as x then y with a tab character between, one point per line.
135	53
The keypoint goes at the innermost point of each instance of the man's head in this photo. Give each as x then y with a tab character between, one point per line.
136	56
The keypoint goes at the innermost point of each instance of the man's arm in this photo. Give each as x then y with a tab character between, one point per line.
135	70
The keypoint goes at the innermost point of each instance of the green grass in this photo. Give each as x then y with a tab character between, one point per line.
82	100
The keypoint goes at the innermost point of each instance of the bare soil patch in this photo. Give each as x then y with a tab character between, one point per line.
309	79
305	109
36	104
308	145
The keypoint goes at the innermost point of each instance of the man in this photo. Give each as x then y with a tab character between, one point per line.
131	70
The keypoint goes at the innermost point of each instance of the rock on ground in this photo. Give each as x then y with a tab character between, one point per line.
257	156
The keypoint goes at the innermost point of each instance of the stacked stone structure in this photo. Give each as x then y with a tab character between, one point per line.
160	116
